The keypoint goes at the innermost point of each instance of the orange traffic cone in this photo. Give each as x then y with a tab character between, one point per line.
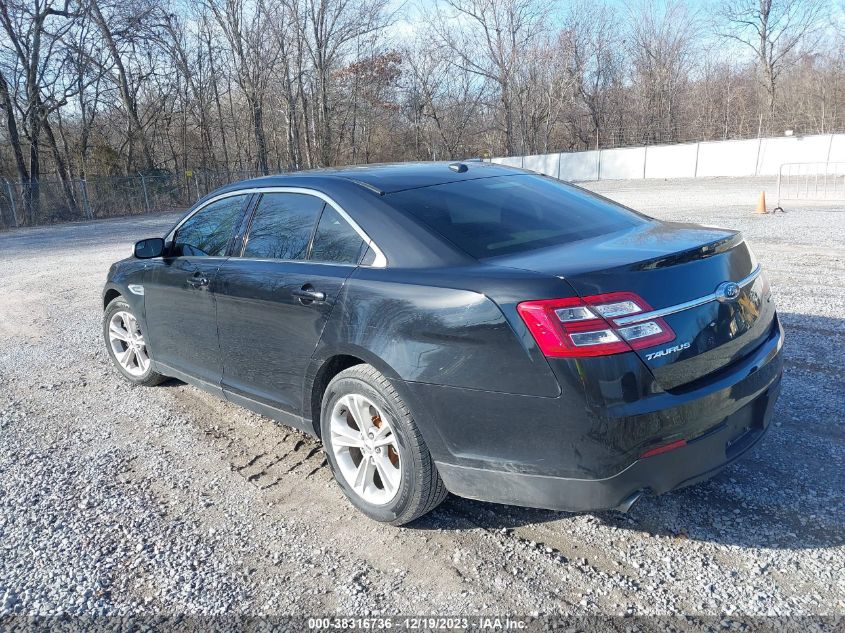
761	203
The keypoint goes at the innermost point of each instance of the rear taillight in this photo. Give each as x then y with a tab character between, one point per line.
586	326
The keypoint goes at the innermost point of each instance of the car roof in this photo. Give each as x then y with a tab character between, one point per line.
389	178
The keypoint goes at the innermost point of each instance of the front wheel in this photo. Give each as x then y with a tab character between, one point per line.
375	449
126	344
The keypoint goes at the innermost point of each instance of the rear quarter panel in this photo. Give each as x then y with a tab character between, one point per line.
434	334
417	331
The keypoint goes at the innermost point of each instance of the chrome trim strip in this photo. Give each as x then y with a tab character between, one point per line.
380	260
687	305
754	274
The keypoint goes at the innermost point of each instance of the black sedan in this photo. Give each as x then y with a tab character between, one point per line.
461	327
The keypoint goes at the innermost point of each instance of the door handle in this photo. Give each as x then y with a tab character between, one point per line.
307	294
198	280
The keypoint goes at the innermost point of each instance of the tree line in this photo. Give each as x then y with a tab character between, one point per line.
93	88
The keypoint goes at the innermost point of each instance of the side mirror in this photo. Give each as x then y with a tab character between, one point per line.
149	248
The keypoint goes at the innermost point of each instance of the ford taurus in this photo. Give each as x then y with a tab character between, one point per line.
461	327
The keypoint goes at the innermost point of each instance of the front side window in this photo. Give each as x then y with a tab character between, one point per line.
208	231
335	240
282	226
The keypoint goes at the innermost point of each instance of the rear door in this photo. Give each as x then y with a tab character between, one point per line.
180	310
274	299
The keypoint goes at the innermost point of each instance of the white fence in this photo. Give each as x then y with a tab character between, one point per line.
754	157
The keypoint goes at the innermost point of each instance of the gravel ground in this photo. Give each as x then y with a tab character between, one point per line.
123	500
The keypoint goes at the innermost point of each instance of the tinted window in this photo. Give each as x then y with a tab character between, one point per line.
369	257
282	226
335	240
509	214
207	232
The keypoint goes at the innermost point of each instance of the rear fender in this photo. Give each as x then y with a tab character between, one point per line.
325	352
424	334
436	335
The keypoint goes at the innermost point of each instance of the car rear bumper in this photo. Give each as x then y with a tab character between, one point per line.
700	459
567	454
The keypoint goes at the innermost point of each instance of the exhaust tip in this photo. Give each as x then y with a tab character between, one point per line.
629	501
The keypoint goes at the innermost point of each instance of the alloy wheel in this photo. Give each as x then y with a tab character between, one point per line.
365	448
127	343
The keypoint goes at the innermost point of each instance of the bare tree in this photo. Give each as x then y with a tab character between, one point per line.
443	102
93	88
12	128
774	30
34	32
244	24
120	25
593	35
87	65
660	48
288	38
328	28
192	65
491	38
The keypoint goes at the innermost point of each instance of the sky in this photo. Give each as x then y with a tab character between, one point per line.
412	14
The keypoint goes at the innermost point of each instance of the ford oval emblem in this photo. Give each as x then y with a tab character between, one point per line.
727	291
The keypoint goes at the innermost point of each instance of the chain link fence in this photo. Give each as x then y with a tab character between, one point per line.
53	201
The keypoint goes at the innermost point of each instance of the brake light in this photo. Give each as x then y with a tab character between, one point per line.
577	327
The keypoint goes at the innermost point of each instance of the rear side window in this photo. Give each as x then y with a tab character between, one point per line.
510	214
335	240
282	226
208	231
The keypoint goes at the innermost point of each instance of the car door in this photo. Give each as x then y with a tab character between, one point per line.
180	310
273	301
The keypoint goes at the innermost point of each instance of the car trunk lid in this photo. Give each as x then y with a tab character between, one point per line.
679	269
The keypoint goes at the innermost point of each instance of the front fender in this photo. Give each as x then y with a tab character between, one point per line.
121	276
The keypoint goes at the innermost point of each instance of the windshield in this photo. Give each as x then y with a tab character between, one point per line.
488	217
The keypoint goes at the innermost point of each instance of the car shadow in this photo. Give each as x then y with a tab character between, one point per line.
786	493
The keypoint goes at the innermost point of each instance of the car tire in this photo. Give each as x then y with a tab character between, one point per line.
122	335
362	392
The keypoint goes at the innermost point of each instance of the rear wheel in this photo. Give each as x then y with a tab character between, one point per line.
375	449
126	344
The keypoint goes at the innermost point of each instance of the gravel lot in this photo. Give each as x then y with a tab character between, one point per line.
124	500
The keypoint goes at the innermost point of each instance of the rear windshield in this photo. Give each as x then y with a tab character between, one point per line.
488	217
